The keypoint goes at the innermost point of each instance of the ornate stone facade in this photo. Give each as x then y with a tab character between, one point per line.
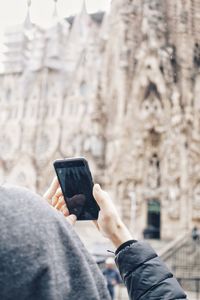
124	92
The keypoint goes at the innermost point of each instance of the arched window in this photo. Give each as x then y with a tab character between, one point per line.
152	230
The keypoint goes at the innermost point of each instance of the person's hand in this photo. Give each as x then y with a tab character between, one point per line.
109	222
55	198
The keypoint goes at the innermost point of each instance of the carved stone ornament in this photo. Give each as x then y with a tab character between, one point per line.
196	202
9	141
174	202
46	142
23	173
153	177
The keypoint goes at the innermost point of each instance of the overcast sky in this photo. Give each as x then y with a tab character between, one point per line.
14	11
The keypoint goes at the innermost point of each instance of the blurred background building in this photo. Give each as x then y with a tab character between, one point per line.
120	88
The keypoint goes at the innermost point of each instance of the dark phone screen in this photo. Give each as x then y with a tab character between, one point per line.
76	183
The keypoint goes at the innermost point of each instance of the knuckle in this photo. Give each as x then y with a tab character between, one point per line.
59	191
61	200
54	200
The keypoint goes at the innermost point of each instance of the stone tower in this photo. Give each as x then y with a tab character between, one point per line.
124	92
150	91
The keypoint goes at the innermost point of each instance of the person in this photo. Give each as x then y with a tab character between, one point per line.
195	234
111	275
41	256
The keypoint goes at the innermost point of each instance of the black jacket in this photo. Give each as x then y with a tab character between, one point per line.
145	275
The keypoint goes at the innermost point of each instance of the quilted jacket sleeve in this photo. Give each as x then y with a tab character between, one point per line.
145	275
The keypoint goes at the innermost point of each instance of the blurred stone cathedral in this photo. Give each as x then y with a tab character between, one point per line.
120	88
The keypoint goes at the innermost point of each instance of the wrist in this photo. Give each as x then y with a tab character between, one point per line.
121	235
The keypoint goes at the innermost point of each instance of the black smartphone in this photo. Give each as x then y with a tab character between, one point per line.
76	183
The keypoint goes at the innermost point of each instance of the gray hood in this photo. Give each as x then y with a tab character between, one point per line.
41	256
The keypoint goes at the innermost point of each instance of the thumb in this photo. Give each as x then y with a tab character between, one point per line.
101	197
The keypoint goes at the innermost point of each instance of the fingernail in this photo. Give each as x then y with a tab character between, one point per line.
97	187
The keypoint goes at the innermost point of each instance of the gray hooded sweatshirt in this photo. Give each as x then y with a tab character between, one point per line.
41	256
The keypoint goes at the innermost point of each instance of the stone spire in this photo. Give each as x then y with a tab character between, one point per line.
78	39
84	7
55	17
16	45
27	21
56	36
81	24
55	13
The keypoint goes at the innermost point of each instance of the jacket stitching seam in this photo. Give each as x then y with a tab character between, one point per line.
149	258
163	279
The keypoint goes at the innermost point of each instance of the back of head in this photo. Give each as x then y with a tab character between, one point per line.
40	255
